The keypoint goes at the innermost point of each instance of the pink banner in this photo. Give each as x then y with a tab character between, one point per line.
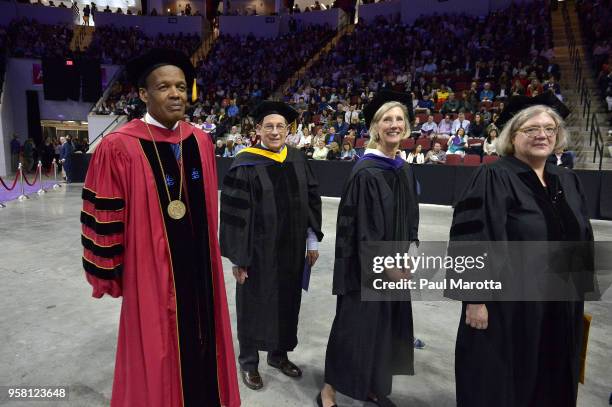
37	74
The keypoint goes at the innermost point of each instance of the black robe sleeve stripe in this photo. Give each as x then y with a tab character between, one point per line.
469	204
102	272
234	202
466	228
101	228
101	251
232	220
348	210
235	183
103	204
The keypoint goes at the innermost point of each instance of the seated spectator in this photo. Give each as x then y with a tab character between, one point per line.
305	137
460	122
341	126
429	128
416	128
253	138
445	127
416	156
219	148
451	105
436	155
119	11
551	85
534	88
107	9
457	143
230	152
293	139
233	133
320	151
490	147
334	151
332	136
477	127
153	12
486	94
425	104
442	94
308	151
348	152
465	103
562	158
238	145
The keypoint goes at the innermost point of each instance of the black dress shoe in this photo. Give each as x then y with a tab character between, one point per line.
287	367
251	379
382	401
320	401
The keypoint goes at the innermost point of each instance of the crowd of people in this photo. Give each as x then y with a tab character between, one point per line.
114	45
26	38
458	81
595	19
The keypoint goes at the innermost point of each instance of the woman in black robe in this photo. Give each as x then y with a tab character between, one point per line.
372	341
522	353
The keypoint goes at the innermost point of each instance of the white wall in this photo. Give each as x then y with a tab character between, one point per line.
152	26
369	12
19	79
260	26
6	133
411	10
47	15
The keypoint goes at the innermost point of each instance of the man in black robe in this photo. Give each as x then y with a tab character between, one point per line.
270	210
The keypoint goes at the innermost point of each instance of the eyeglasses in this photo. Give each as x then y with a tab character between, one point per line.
534	131
269	128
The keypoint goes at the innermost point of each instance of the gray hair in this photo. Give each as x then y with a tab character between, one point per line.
503	143
373	130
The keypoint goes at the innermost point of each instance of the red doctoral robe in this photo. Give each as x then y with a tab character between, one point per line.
168	271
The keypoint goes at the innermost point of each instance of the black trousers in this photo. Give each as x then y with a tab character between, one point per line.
249	357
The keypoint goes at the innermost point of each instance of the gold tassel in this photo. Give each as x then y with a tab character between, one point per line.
586	320
194	92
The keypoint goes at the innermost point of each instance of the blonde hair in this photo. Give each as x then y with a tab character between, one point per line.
373	130
503	142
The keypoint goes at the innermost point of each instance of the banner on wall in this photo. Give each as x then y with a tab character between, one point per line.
37	74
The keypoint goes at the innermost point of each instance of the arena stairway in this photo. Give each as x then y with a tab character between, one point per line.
81	37
346	29
209	38
576	122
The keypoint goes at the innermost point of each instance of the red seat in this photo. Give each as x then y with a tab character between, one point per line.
487	159
471	160
443	143
360	142
438	118
407	144
474	142
468	116
453	159
422	117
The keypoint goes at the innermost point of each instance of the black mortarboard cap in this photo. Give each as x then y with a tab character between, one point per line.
140	67
268	107
383	97
517	103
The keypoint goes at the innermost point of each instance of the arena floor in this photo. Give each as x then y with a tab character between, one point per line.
54	333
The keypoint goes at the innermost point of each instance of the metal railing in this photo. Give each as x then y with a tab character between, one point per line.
103	132
592	125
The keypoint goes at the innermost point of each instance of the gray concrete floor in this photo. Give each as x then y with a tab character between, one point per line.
53	333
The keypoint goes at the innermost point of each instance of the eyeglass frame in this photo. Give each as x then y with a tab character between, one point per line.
269	128
555	131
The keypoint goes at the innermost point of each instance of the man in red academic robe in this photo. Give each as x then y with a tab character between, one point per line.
150	235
